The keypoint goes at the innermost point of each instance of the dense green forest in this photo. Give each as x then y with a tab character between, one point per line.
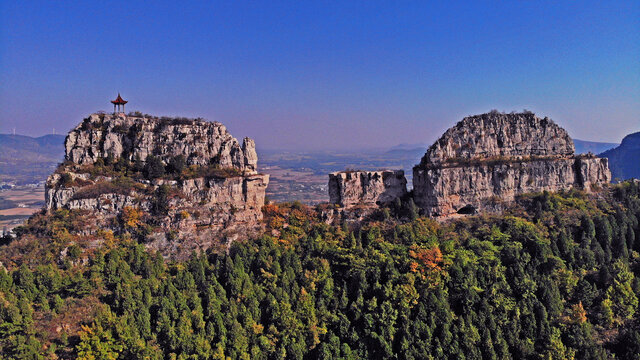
556	277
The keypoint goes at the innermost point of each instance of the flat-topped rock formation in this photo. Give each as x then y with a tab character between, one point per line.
177	184
349	188
487	160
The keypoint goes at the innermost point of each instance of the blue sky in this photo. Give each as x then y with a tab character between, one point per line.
323	75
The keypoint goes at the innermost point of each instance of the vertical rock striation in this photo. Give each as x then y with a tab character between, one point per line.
495	134
199	141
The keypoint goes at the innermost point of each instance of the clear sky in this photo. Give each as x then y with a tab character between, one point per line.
323	75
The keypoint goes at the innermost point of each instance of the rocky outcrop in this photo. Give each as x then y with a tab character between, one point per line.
218	197
496	134
591	171
349	188
486	161
486	187
118	135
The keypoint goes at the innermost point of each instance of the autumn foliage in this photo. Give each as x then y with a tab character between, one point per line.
131	217
426	261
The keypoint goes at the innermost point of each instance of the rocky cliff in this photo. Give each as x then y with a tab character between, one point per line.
487	160
349	188
177	184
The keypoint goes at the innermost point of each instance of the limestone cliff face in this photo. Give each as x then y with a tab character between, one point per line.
217	198
349	188
239	193
592	171
199	141
487	160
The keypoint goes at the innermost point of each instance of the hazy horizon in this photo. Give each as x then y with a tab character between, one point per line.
347	150
306	77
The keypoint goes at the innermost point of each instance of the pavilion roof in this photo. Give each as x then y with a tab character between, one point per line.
119	100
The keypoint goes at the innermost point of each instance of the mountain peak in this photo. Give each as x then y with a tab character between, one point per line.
188	184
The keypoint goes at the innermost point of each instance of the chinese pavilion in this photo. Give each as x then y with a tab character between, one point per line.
118	104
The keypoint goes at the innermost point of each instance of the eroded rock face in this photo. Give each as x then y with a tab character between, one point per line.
349	188
485	161
199	141
175	215
592	171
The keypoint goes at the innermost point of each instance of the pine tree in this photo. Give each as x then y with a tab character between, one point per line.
624	300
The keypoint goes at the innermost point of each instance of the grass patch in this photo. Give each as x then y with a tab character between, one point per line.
122	186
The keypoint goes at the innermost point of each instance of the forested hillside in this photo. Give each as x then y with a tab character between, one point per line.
555	277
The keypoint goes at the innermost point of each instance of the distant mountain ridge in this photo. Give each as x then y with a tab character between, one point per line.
405	146
623	160
595	147
26	160
27	148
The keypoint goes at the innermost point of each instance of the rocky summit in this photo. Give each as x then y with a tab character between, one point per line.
199	141
496	134
176	184
485	161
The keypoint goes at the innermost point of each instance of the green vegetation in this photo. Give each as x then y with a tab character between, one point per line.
495	160
195	171
176	164
153	167
557	278
121	185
